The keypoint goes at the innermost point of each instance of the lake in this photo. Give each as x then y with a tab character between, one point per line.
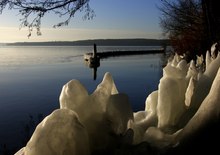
31	79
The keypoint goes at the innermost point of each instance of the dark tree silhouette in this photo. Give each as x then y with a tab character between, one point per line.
192	25
212	19
183	22
32	11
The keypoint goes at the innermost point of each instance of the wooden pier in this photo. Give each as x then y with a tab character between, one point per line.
124	53
100	55
92	59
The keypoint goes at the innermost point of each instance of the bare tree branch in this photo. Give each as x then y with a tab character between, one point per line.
32	11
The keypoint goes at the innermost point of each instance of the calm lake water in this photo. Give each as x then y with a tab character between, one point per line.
31	79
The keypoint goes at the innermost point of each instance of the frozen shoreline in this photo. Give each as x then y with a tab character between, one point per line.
183	87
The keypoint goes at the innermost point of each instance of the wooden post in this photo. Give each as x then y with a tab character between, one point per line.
94	51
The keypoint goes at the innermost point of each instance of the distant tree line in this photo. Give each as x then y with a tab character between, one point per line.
99	42
191	25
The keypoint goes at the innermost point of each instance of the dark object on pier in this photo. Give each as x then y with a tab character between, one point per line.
92	58
92	61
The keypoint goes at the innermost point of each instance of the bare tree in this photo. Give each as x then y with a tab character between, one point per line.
32	11
192	25
183	22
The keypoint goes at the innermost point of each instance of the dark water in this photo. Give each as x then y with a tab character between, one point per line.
31	79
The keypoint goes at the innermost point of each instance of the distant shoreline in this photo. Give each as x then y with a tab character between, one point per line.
98	42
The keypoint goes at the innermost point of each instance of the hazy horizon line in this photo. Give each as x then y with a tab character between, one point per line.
101	39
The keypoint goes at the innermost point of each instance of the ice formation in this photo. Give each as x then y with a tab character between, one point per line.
59	133
104	113
186	100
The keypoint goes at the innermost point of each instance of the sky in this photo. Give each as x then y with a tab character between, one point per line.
114	19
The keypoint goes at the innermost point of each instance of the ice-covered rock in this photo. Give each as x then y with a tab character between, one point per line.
158	139
118	113
145	119
192	71
171	95
209	111
60	133
73	95
104	113
202	87
190	91
178	88
151	103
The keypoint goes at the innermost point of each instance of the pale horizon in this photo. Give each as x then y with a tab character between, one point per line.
13	34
